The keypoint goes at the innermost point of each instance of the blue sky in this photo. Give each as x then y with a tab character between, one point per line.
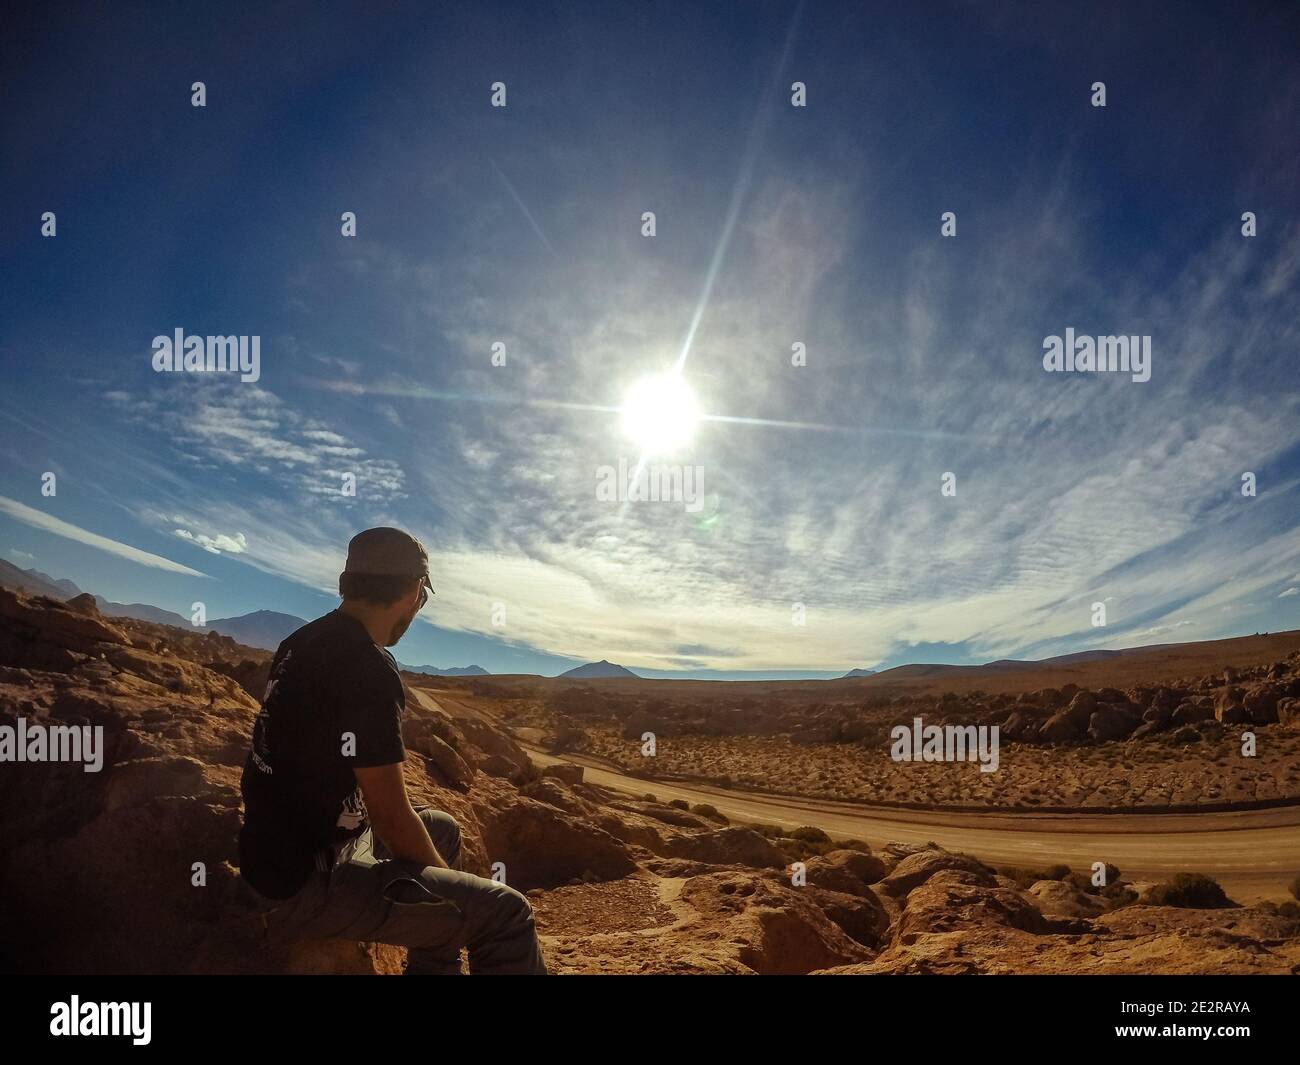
522	225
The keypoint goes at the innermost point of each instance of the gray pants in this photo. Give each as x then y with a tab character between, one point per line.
370	895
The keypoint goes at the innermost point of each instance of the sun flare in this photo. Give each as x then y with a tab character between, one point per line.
660	414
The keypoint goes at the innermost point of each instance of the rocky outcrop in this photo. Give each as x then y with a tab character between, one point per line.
917	868
727	846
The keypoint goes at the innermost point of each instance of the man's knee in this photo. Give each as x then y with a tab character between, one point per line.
513	907
443	830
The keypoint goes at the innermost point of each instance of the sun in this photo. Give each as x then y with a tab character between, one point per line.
660	414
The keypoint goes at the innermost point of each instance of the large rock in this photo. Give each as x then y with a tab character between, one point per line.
1110	722
544	847
1058	899
449	766
846	871
490	746
1062	727
916	869
727	846
956	898
1021	726
29	624
774	929
1190	713
566	772
1228	706
1261	703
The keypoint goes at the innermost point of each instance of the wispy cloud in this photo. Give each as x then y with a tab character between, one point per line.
47	523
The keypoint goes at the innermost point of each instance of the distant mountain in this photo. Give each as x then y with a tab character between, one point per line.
261	628
858	673
1090	656
144	612
33	582
453	671
599	669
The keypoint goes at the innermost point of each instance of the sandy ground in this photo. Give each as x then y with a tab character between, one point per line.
1253	854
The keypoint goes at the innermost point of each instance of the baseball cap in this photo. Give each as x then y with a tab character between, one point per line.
388	552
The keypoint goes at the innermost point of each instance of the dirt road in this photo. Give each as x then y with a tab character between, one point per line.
1254	854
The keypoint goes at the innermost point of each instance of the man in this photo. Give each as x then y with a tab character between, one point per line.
330	839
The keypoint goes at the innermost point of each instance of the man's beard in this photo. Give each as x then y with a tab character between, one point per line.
399	630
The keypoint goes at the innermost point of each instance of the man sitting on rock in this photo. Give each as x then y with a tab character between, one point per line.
330	839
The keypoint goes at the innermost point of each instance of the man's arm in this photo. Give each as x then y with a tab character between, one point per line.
392	817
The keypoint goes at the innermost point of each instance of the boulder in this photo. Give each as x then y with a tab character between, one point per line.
917	868
1261	702
1231	714
566	772
450	767
1058	899
1189	713
84	604
727	846
1226	700
772	927
845	871
541	846
1021	726
1158	715
1081	706
1111	722
1061	727
952	899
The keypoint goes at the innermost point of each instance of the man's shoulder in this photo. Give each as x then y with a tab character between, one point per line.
332	643
332	630
339	646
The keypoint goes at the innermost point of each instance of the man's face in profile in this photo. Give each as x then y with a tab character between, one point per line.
418	598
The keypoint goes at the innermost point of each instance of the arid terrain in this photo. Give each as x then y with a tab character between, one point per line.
1158	728
693	861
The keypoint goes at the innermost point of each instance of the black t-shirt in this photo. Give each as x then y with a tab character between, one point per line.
333	703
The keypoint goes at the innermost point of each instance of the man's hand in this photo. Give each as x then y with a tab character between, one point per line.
392	817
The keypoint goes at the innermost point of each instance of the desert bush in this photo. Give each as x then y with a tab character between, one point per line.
1027	878
704	809
1295	888
681	804
1120	894
568	738
808	834
1194	891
